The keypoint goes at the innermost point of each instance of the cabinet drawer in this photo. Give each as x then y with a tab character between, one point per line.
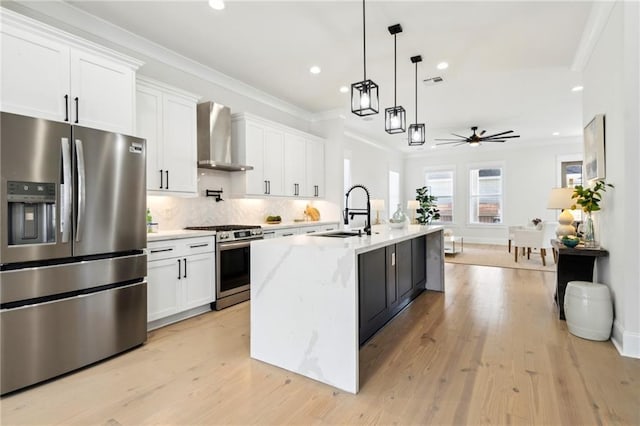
198	245
158	250
180	247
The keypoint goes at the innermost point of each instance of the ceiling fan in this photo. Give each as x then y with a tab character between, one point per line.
475	139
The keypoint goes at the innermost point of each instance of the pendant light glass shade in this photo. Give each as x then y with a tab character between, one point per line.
417	132
395	118
364	94
364	98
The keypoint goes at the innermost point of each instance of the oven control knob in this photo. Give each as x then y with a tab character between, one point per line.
256	232
223	236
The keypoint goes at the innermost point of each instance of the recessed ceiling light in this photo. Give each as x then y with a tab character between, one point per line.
577	89
442	65
315	69
216	4
556	133
344	89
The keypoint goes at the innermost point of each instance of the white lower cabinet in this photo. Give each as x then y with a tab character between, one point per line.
181	279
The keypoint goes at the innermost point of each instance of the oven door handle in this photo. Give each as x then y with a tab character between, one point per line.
231	246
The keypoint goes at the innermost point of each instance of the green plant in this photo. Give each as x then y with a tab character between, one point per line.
589	198
428	210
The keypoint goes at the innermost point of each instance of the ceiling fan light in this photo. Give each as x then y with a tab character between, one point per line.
474	143
395	120
416	134
364	98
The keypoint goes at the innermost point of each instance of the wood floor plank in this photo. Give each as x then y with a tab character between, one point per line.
488	351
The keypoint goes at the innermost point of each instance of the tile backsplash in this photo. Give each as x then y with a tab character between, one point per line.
177	212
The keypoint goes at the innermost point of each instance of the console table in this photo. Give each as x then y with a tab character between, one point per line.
574	264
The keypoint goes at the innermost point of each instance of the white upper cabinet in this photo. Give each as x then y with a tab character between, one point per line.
294	172
314	169
51	74
281	158
166	118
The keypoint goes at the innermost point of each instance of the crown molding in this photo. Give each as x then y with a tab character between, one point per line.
62	12
375	144
598	17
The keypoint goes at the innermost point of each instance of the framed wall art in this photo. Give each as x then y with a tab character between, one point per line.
594	149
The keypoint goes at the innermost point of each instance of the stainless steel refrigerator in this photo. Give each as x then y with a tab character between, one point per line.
73	265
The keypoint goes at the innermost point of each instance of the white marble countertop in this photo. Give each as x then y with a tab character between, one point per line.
381	235
177	233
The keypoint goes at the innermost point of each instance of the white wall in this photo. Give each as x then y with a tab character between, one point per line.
611	80
370	165
529	174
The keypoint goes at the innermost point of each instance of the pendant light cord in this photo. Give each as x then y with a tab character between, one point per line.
364	41
416	93
395	74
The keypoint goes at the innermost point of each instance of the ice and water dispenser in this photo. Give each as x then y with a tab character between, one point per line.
31	212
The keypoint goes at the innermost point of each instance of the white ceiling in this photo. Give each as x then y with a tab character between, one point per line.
510	62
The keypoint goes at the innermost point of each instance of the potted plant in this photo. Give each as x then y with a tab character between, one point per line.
428	210
589	200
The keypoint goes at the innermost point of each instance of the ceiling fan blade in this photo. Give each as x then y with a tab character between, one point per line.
501	137
449	143
482	132
457	140
498	134
461	143
493	140
463	137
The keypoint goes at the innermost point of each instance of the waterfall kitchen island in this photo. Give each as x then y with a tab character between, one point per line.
315	299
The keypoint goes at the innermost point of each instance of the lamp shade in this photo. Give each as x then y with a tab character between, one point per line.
560	198
377	205
413	205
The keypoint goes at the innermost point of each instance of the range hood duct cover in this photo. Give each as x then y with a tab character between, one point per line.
214	139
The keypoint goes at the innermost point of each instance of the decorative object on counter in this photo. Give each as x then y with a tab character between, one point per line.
378	206
570	240
312	213
395	117
428	210
273	220
536	221
399	219
416	131
589	199
413	205
217	193
351	213
150	222
560	198
364	94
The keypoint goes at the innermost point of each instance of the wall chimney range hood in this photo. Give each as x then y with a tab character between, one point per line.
215	150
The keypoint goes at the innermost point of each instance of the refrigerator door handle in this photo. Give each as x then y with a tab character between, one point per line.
65	216
81	190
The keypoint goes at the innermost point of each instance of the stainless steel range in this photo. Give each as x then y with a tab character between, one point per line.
233	262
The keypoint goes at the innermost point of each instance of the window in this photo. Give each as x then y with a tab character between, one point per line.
441	184
394	190
571	173
485	195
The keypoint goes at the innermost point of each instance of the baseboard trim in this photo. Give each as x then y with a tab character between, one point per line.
627	343
161	322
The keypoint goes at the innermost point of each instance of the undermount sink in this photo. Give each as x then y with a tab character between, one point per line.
337	234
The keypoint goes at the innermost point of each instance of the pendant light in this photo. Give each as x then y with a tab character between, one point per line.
416	131
395	118
364	94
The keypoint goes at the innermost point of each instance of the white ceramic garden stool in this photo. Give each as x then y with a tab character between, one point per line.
588	310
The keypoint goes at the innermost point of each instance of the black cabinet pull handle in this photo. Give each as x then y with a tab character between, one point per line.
185	268
179	268
161	178
161	250
167	174
66	107
199	245
269	183
266	191
77	102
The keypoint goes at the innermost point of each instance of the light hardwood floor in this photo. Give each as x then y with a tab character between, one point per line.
488	351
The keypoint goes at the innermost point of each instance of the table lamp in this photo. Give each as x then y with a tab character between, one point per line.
413	205
377	205
560	198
